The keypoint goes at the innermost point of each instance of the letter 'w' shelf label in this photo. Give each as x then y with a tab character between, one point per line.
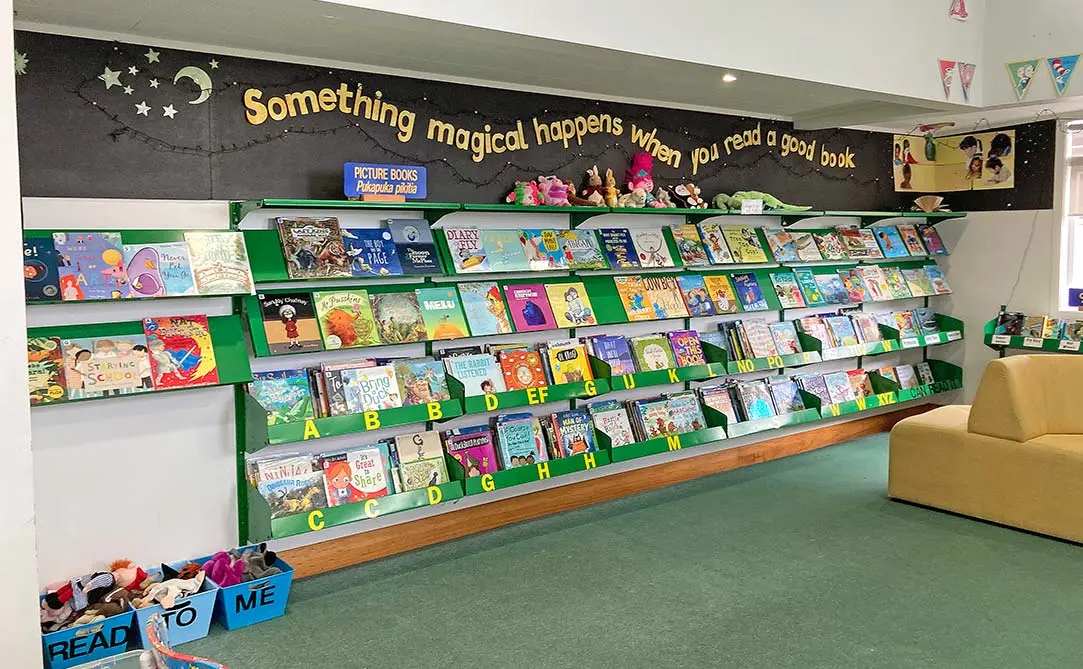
1001	339
1032	342
1069	346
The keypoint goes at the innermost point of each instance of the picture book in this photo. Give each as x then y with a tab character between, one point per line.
784	393
896	283
685	412
479	373
289	322
695	295
868	330
619	249
937	280
285	394
760	342
529	307
90	266
421	380
748	292
634	297
687	349
568	361
871	245
911	239
925	373
830	245
810	290
345	319
614	350
414	246
654	417
714	242
838	387
853	284
689	245
570	304
859	382
664	297
888	373
290	484
398	317
755	399
575	432
115	365
1051	327
40	277
504	251
219	263
522	369
484	308
907	376
519	438
473	449
420	474
613	422
1010	323
652	352
784	334
814	326
789	294
313	247
720	399
852	243
371	252
441	313
933	243
876	285
467	252
891	242
358	474
1072	331
814	383
781	243
371	388
156	270
181	353
581	249
918	282
721	293
651	248
45	367
842	330
744	244
806	247
1033	326
542	248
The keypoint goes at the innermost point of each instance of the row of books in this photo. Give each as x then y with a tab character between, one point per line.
1018	324
74	266
172	352
320	248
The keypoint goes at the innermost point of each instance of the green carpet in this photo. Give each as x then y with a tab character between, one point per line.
801	562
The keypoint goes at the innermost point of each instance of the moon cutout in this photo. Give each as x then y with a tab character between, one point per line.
200	78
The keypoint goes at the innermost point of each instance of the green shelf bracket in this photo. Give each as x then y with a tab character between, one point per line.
239	210
791	217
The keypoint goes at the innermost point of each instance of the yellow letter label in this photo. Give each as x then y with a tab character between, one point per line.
588	461
372	420
310	430
543	470
372	508
436	495
674	442
315	520
435	412
487	483
492	403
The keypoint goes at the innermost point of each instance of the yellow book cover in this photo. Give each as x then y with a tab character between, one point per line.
571	304
634	297
721	293
569	364
664	297
744	244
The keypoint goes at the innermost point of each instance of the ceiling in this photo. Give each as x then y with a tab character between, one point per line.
319	32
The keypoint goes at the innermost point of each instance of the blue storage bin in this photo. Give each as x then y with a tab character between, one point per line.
87	643
253	602
190	619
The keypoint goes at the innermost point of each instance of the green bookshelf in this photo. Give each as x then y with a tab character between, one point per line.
432	211
714	430
1001	342
514	399
540	471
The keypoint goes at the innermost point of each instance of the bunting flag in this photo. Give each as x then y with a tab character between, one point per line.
947	73
966	77
1022	74
958	10
1061	68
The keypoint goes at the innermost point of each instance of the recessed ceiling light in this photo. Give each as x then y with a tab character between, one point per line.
728	78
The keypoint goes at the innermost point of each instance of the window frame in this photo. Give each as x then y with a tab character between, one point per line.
1070	239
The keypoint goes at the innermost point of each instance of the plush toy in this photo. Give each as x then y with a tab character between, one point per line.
53	619
116	602
258	563
723	201
553	191
168	592
224	570
687	196
82	592
524	194
637	199
189	570
130	576
662	195
573	198
639	176
594	192
610	191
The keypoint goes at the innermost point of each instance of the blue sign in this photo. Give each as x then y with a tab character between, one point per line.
370	180
1075	297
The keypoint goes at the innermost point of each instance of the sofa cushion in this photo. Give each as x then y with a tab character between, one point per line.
1025	396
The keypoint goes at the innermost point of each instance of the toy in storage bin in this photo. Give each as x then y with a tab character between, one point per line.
254	601
190	617
87	643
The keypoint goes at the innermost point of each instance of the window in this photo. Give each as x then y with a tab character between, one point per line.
1073	211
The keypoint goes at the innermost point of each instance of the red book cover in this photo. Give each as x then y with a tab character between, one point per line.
181	354
522	369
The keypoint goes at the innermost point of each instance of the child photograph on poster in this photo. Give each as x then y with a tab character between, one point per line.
972	161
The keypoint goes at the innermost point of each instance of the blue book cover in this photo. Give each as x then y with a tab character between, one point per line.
936	278
543	251
519	440
484	308
371	252
414	246
748	292
686	412
831	289
614	350
891	242
806	281
619	249
285	394
40	276
575	432
695	295
504	250
90	265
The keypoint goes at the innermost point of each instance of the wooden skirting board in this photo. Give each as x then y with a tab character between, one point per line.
366	546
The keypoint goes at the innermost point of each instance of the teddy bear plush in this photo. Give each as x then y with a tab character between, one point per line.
610	191
573	197
554	193
594	193
637	199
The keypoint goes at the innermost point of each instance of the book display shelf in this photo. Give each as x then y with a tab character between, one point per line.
257	521
1032	333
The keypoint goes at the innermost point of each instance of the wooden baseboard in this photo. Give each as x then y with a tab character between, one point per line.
383	542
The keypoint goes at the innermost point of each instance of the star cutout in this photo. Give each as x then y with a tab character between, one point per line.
142	108
128	90
214	64
154	83
169	111
133	70
21	61
110	78
152	56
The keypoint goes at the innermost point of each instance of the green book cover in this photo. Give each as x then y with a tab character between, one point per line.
653	352
442	313
345	318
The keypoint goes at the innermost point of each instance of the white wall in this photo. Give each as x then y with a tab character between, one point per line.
1017	31
883	45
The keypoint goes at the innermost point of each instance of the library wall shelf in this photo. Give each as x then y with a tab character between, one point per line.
539	471
1002	342
432	211
773	423
514	399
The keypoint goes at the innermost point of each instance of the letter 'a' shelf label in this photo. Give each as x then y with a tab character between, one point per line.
1032	342
1069	346
1002	339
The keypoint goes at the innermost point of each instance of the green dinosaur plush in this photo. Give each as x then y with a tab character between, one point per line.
723	201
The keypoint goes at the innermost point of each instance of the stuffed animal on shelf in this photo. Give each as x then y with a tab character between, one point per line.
525	194
573	198
687	196
168	592
723	201
639	175
594	192
610	191
637	199
224	570
554	193
662	195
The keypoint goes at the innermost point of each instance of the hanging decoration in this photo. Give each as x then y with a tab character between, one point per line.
958	10
1022	75
947	73
966	77
1061	69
